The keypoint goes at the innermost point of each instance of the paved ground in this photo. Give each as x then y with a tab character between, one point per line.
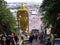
35	42
56	44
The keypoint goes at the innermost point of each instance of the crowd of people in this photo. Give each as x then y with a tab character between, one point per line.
11	39
36	37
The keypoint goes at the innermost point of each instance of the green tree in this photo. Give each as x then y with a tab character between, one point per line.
51	9
7	20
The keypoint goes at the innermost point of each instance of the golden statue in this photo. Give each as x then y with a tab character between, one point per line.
23	18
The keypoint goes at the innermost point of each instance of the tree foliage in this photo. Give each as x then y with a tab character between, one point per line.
52	12
7	20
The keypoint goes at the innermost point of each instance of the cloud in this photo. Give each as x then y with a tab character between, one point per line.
37	1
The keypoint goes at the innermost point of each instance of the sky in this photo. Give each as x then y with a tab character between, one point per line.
37	1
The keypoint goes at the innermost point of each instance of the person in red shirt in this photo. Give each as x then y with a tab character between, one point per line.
15	37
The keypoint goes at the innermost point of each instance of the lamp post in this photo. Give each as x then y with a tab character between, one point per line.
52	34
